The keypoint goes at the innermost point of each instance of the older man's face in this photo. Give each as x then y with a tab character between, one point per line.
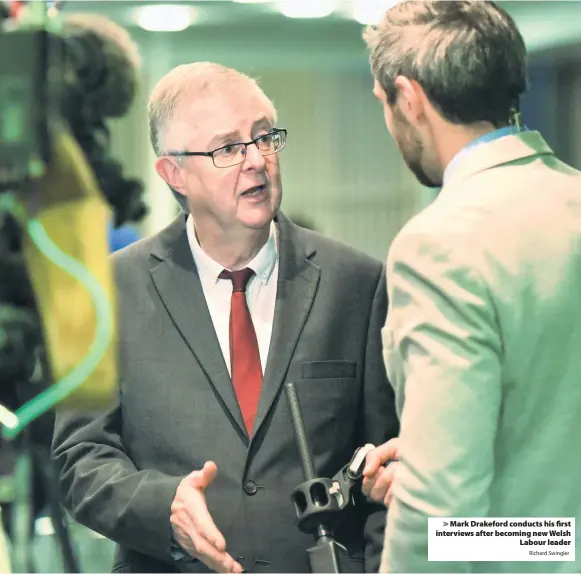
244	195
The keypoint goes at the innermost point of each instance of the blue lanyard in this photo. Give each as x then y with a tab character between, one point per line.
486	138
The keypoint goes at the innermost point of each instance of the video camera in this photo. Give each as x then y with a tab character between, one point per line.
61	78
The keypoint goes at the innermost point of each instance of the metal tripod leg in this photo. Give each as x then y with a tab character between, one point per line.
21	508
4	552
57	514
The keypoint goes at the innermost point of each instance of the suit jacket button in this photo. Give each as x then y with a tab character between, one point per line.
250	487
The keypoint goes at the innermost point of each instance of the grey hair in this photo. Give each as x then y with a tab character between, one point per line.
183	82
467	55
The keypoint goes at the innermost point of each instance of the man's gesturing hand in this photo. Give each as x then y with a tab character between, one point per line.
377	478
193	527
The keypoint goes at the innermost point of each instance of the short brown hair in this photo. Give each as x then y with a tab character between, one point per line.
467	55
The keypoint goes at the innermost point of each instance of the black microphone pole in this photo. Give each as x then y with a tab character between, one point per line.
315	507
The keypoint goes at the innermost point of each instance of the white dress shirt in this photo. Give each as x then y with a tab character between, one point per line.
260	292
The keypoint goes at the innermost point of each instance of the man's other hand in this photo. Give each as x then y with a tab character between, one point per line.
193	527
380	465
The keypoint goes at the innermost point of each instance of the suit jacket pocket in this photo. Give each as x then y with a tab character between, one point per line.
329	370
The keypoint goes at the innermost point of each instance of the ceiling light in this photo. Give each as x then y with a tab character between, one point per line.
369	12
164	17
307	8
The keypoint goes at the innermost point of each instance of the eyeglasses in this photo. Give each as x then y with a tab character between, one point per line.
234	154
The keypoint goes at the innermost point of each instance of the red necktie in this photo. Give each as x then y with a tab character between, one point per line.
244	355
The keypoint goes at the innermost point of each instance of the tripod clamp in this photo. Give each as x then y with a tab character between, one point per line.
321	500
318	502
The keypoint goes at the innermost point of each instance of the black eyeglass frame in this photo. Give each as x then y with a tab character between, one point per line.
245	144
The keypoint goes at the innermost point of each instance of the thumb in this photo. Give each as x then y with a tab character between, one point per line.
201	479
372	463
380	456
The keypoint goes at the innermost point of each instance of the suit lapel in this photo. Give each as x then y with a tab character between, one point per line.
298	278
176	279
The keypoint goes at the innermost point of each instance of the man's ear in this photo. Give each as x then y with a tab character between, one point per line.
411	99
169	171
379	92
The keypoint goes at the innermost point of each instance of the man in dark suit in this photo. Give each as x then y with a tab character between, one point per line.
195	466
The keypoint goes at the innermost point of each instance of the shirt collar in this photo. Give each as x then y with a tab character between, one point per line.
263	263
491	136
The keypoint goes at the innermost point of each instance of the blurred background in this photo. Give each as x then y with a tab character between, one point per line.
341	172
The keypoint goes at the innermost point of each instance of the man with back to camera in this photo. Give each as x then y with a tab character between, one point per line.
484	328
193	470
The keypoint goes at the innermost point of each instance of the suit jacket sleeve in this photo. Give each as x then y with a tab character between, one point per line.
443	352
104	490
378	419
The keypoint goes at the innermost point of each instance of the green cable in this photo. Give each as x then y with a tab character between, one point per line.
46	400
